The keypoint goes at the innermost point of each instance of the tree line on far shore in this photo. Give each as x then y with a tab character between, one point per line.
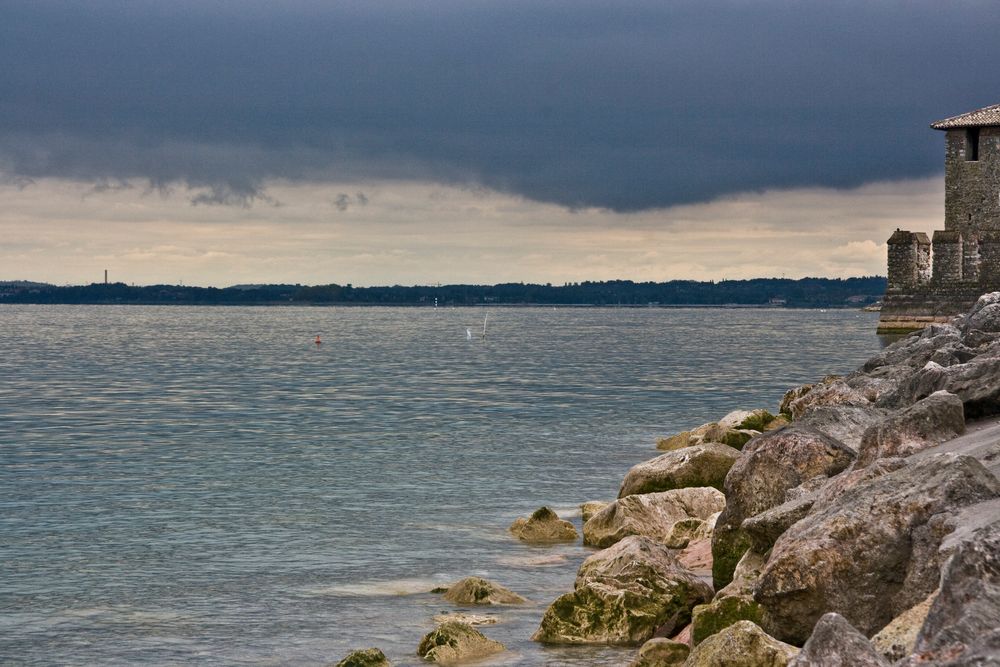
775	292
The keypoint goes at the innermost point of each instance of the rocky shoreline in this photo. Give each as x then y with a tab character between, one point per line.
859	525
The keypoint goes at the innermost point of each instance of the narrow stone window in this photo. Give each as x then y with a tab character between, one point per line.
972	144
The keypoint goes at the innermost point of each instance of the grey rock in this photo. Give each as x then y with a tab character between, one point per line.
835	643
699	465
846	423
963	624
623	595
976	383
926	423
985	315
765	528
898	639
772	463
651	514
872	553
743	644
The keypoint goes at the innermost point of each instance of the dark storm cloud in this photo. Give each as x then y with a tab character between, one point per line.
626	105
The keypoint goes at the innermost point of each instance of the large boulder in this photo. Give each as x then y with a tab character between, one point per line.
685	438
926	423
963	624
474	590
743	644
654	515
623	595
872	553
720	613
846	423
897	640
699	465
456	642
985	315
771	464
369	657
661	652
976	383
543	527
835	643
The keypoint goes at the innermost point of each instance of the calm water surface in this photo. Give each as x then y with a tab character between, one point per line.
183	485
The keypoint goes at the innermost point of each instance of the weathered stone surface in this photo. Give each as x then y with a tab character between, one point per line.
963	624
872	553
456	642
543	527
474	590
623	595
835	643
985	315
590	508
792	395
771	464
846	423
765	528
654	515
699	465
743	644
720	613
926	423
837	392
685	438
695	543
897	640
661	652
745	575
976	383
369	657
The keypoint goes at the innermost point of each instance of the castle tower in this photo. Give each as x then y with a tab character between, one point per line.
971	182
966	253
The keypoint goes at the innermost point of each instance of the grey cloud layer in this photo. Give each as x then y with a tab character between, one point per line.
624	105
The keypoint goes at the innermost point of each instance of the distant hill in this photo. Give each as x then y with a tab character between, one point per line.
760	292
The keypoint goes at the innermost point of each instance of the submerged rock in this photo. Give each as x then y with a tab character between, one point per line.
661	652
543	527
456	642
699	465
835	643
468	619
872	553
369	657
654	515
743	644
474	590
771	464
622	595
929	422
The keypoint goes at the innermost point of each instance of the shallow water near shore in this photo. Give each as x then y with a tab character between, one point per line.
207	485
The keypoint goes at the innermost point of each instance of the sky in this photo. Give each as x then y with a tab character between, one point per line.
220	142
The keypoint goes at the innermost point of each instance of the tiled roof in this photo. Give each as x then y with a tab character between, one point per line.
978	118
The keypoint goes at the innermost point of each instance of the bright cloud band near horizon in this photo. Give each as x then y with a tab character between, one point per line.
419	233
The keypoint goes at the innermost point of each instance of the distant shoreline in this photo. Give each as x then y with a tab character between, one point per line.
753	293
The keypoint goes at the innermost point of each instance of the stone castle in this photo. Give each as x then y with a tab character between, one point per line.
931	280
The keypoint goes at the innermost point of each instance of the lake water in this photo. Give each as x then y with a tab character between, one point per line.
206	485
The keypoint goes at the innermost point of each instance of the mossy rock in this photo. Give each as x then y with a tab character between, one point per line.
478	591
742	644
728	547
543	527
757	421
369	657
736	438
708	619
661	652
454	642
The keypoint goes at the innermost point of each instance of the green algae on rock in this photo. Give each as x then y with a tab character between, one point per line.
369	657
455	642
478	591
543	527
743	644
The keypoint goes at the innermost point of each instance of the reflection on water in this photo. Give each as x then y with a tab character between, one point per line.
209	485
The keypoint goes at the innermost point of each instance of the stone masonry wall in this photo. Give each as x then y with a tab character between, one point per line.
947	257
972	188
